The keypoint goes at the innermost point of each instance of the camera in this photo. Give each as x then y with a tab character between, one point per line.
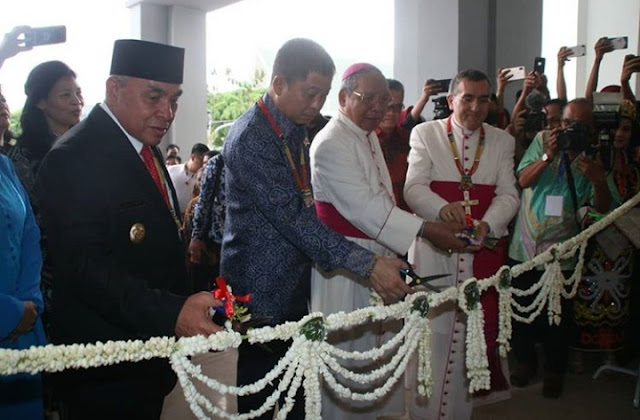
535	121
574	138
606	118
535	118
441	108
606	110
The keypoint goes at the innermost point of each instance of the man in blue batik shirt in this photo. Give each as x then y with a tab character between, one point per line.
272	235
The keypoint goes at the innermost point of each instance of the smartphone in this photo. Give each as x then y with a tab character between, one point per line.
619	43
443	84
538	64
45	35
517	73
577	51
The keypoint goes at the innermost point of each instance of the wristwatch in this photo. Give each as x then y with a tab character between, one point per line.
545	158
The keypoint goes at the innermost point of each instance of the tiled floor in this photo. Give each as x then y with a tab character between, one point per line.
609	397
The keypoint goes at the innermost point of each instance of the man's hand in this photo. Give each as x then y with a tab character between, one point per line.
631	65
430	88
11	45
503	79
552	143
197	249
529	83
563	56
603	46
517	123
482	231
443	234
593	170
194	319
453	212
386	281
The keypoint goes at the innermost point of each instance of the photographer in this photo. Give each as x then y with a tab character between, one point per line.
556	180
597	330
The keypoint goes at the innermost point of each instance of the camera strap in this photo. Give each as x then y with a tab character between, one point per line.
572	186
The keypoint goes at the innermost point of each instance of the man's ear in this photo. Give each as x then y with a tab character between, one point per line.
342	98
111	89
450	101
279	84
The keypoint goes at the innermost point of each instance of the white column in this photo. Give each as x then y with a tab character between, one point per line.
611	19
426	44
182	27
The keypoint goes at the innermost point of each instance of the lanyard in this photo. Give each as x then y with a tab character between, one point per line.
466	183
300	177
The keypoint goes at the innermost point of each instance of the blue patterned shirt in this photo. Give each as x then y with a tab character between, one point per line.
208	214
270	237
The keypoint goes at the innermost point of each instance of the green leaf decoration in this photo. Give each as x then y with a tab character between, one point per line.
472	294
421	305
314	329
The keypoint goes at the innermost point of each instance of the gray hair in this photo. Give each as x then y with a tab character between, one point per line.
469	74
350	83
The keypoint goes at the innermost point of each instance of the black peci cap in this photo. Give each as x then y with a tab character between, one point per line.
147	60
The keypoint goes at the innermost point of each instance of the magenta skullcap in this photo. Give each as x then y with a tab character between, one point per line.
357	67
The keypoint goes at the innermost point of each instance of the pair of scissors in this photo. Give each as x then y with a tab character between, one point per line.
422	281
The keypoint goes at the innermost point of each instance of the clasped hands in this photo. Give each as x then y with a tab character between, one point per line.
454	213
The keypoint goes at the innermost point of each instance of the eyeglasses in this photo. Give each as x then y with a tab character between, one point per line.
371	99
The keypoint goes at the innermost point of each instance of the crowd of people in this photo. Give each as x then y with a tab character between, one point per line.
303	213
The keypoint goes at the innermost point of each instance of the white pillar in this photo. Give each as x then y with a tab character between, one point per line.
611	19
438	38
182	27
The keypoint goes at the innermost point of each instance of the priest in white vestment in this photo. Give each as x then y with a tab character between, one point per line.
354	195
461	169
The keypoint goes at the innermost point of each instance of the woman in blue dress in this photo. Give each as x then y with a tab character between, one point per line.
20	296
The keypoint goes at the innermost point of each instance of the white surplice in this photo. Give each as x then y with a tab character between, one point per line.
431	159
348	170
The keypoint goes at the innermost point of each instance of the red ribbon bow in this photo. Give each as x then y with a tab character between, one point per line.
222	293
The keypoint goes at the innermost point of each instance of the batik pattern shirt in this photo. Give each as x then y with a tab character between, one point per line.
270	236
208	215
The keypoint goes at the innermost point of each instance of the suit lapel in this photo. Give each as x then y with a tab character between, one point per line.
126	159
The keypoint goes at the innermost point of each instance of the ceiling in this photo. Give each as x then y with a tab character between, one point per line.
205	5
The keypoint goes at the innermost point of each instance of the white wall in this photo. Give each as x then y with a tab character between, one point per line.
612	19
426	44
518	39
188	30
574	22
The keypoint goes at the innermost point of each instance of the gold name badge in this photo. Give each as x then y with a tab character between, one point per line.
137	233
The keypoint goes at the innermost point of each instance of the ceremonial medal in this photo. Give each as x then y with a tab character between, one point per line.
299	176
466	183
307	197
137	233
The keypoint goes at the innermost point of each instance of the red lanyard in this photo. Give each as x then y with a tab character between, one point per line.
466	183
300	177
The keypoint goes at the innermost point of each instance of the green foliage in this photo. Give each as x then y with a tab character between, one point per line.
226	107
15	123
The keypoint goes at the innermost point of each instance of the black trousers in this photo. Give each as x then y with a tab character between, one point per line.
111	400
554	338
254	361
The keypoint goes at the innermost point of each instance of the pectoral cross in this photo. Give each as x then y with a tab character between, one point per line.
467	203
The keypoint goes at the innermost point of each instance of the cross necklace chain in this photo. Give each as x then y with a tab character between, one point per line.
466	183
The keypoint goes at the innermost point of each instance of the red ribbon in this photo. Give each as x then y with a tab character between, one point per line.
222	293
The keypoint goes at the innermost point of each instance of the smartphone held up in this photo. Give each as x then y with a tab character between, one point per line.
45	35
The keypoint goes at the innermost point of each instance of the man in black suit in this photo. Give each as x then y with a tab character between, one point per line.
114	236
